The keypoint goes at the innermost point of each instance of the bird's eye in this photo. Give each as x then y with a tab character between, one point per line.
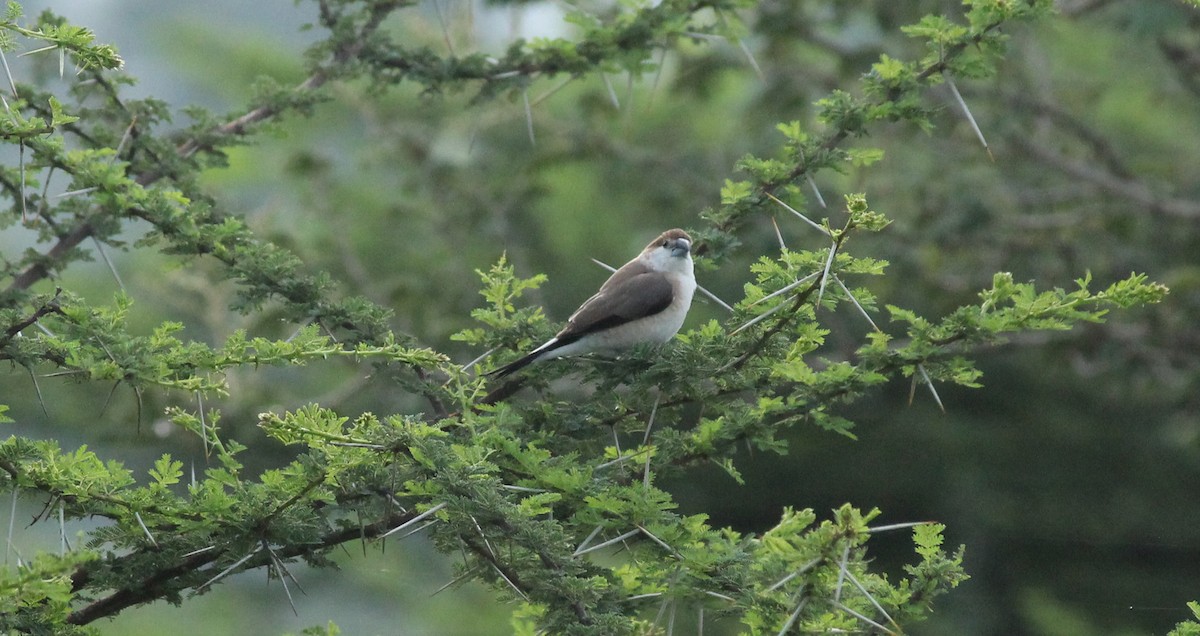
665	243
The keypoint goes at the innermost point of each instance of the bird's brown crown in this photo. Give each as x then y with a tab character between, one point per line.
669	235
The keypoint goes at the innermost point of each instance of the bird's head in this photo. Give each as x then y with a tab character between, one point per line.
672	250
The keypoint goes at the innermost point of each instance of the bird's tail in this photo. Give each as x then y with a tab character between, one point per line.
551	345
516	365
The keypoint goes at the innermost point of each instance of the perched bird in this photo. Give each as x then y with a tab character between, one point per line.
643	302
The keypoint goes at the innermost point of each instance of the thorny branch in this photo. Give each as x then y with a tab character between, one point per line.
343	56
153	586
49	307
235	127
350	50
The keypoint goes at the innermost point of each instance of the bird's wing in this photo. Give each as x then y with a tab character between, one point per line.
620	300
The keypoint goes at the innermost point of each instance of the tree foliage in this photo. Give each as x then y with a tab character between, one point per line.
554	502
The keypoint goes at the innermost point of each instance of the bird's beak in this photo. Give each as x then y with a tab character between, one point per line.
680	247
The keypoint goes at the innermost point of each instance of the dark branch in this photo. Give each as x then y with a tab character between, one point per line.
154	586
48	307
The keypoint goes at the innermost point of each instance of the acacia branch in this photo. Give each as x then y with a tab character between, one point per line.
147	589
834	138
159	583
239	126
40	270
48	307
779	325
514	578
206	142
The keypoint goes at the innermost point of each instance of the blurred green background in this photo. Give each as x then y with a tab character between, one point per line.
1073	476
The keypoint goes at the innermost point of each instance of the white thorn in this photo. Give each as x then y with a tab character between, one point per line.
413	520
789	208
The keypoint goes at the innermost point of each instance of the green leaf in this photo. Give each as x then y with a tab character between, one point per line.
1188	628
928	538
734	191
863	157
166	471
889	69
792	131
57	116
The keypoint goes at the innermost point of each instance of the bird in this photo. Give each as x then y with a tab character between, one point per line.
645	301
